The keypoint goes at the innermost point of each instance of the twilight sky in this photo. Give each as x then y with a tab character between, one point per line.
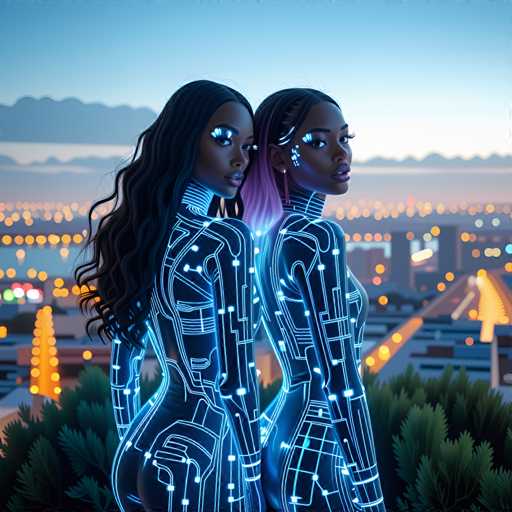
411	76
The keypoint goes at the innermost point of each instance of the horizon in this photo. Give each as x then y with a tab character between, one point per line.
367	160
411	78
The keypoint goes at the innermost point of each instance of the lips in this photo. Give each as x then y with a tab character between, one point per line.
342	173
235	179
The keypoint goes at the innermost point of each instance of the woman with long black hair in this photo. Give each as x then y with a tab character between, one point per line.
165	272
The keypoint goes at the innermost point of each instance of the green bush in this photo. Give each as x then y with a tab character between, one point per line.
442	445
62	461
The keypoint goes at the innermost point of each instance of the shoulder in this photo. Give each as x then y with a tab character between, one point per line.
322	234
233	232
230	225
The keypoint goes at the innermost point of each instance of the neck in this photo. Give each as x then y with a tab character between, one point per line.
197	197
305	201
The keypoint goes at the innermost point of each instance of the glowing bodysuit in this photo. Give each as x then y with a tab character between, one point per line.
194	446
314	311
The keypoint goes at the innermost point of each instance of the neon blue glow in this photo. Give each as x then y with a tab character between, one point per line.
295	156
318	449
201	427
223	135
286	137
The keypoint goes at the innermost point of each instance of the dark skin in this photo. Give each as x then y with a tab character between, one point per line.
322	152
224	149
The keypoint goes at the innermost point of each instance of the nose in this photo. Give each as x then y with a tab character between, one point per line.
341	154
240	160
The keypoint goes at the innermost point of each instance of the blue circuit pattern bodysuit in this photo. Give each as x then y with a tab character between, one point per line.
318	450
194	446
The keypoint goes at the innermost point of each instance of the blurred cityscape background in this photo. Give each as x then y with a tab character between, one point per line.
428	216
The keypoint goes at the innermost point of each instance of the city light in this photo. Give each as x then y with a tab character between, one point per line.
87	355
382	300
422	255
44	361
449	276
380	268
396	337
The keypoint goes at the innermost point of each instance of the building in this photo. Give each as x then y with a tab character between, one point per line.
401	272
449	250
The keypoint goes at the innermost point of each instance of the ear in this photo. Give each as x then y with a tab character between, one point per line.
278	158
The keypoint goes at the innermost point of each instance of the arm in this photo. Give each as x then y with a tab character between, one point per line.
125	366
320	271
232	277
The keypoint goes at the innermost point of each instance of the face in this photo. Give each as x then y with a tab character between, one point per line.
319	156
224	149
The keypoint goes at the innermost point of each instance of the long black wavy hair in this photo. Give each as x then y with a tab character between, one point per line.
130	239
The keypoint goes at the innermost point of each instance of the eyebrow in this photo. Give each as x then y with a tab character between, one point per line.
325	130
233	129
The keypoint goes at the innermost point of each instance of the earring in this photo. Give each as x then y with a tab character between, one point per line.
285	179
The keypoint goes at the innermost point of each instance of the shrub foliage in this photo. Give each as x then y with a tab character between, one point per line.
442	445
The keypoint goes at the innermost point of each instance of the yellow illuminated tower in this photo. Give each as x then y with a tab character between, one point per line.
44	372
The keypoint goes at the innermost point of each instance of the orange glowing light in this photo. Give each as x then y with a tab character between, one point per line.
384	352
473	314
396	338
87	355
383	300
380	268
370	361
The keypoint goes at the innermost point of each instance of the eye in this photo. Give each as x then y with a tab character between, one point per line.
345	138
318	143
249	147
222	136
314	142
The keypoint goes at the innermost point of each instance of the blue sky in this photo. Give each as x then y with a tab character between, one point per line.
412	77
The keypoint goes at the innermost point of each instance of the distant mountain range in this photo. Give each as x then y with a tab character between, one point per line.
437	160
70	120
103	164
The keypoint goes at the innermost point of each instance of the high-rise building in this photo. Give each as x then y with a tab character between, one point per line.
401	273
362	262
449	249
